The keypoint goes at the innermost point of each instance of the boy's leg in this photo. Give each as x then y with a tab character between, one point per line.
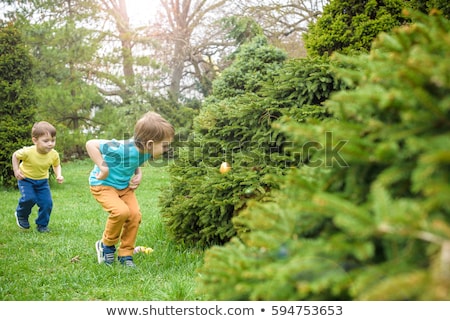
26	202
131	225
118	211
44	202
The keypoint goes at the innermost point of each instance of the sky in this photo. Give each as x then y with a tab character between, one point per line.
139	11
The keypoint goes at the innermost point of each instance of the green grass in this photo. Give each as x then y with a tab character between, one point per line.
62	265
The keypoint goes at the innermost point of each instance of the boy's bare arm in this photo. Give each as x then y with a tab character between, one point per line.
15	164
93	149
136	179
58	173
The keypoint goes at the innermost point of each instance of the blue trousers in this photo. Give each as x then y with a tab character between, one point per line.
35	192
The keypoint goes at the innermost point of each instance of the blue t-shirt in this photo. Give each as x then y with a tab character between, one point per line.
123	158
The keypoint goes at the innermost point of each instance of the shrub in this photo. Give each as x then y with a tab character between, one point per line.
351	25
235	125
17	99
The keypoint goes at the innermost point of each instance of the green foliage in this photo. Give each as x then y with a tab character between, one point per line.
61	46
201	202
372	222
69	105
236	126
17	99
348	26
254	64
241	29
429	6
307	81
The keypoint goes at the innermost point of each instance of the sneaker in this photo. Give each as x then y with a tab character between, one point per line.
43	229
105	254
22	222
127	261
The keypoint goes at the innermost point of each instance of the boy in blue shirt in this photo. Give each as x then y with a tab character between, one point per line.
116	176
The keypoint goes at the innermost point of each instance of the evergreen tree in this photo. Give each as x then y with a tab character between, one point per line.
63	46
200	203
235	125
17	98
351	25
371	219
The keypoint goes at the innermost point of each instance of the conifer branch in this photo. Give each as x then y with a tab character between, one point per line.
421	235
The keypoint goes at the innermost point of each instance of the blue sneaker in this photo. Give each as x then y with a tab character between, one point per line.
43	229
105	254
22	222
127	261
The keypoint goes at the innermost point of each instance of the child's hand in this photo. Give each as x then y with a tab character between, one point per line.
104	172
60	179
19	175
135	181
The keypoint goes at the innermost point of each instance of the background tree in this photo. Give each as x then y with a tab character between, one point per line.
283	22
351	25
54	32
61	45
17	98
199	36
115	64
189	32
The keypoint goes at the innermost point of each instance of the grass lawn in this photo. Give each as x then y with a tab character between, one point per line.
62	265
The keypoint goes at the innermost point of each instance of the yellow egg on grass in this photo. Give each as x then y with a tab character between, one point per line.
148	250
143	249
224	167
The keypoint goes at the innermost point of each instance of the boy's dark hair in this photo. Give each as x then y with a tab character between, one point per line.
41	128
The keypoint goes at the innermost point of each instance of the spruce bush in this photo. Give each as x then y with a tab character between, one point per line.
377	226
235	125
348	26
17	99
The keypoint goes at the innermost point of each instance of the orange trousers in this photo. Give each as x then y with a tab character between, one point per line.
124	217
